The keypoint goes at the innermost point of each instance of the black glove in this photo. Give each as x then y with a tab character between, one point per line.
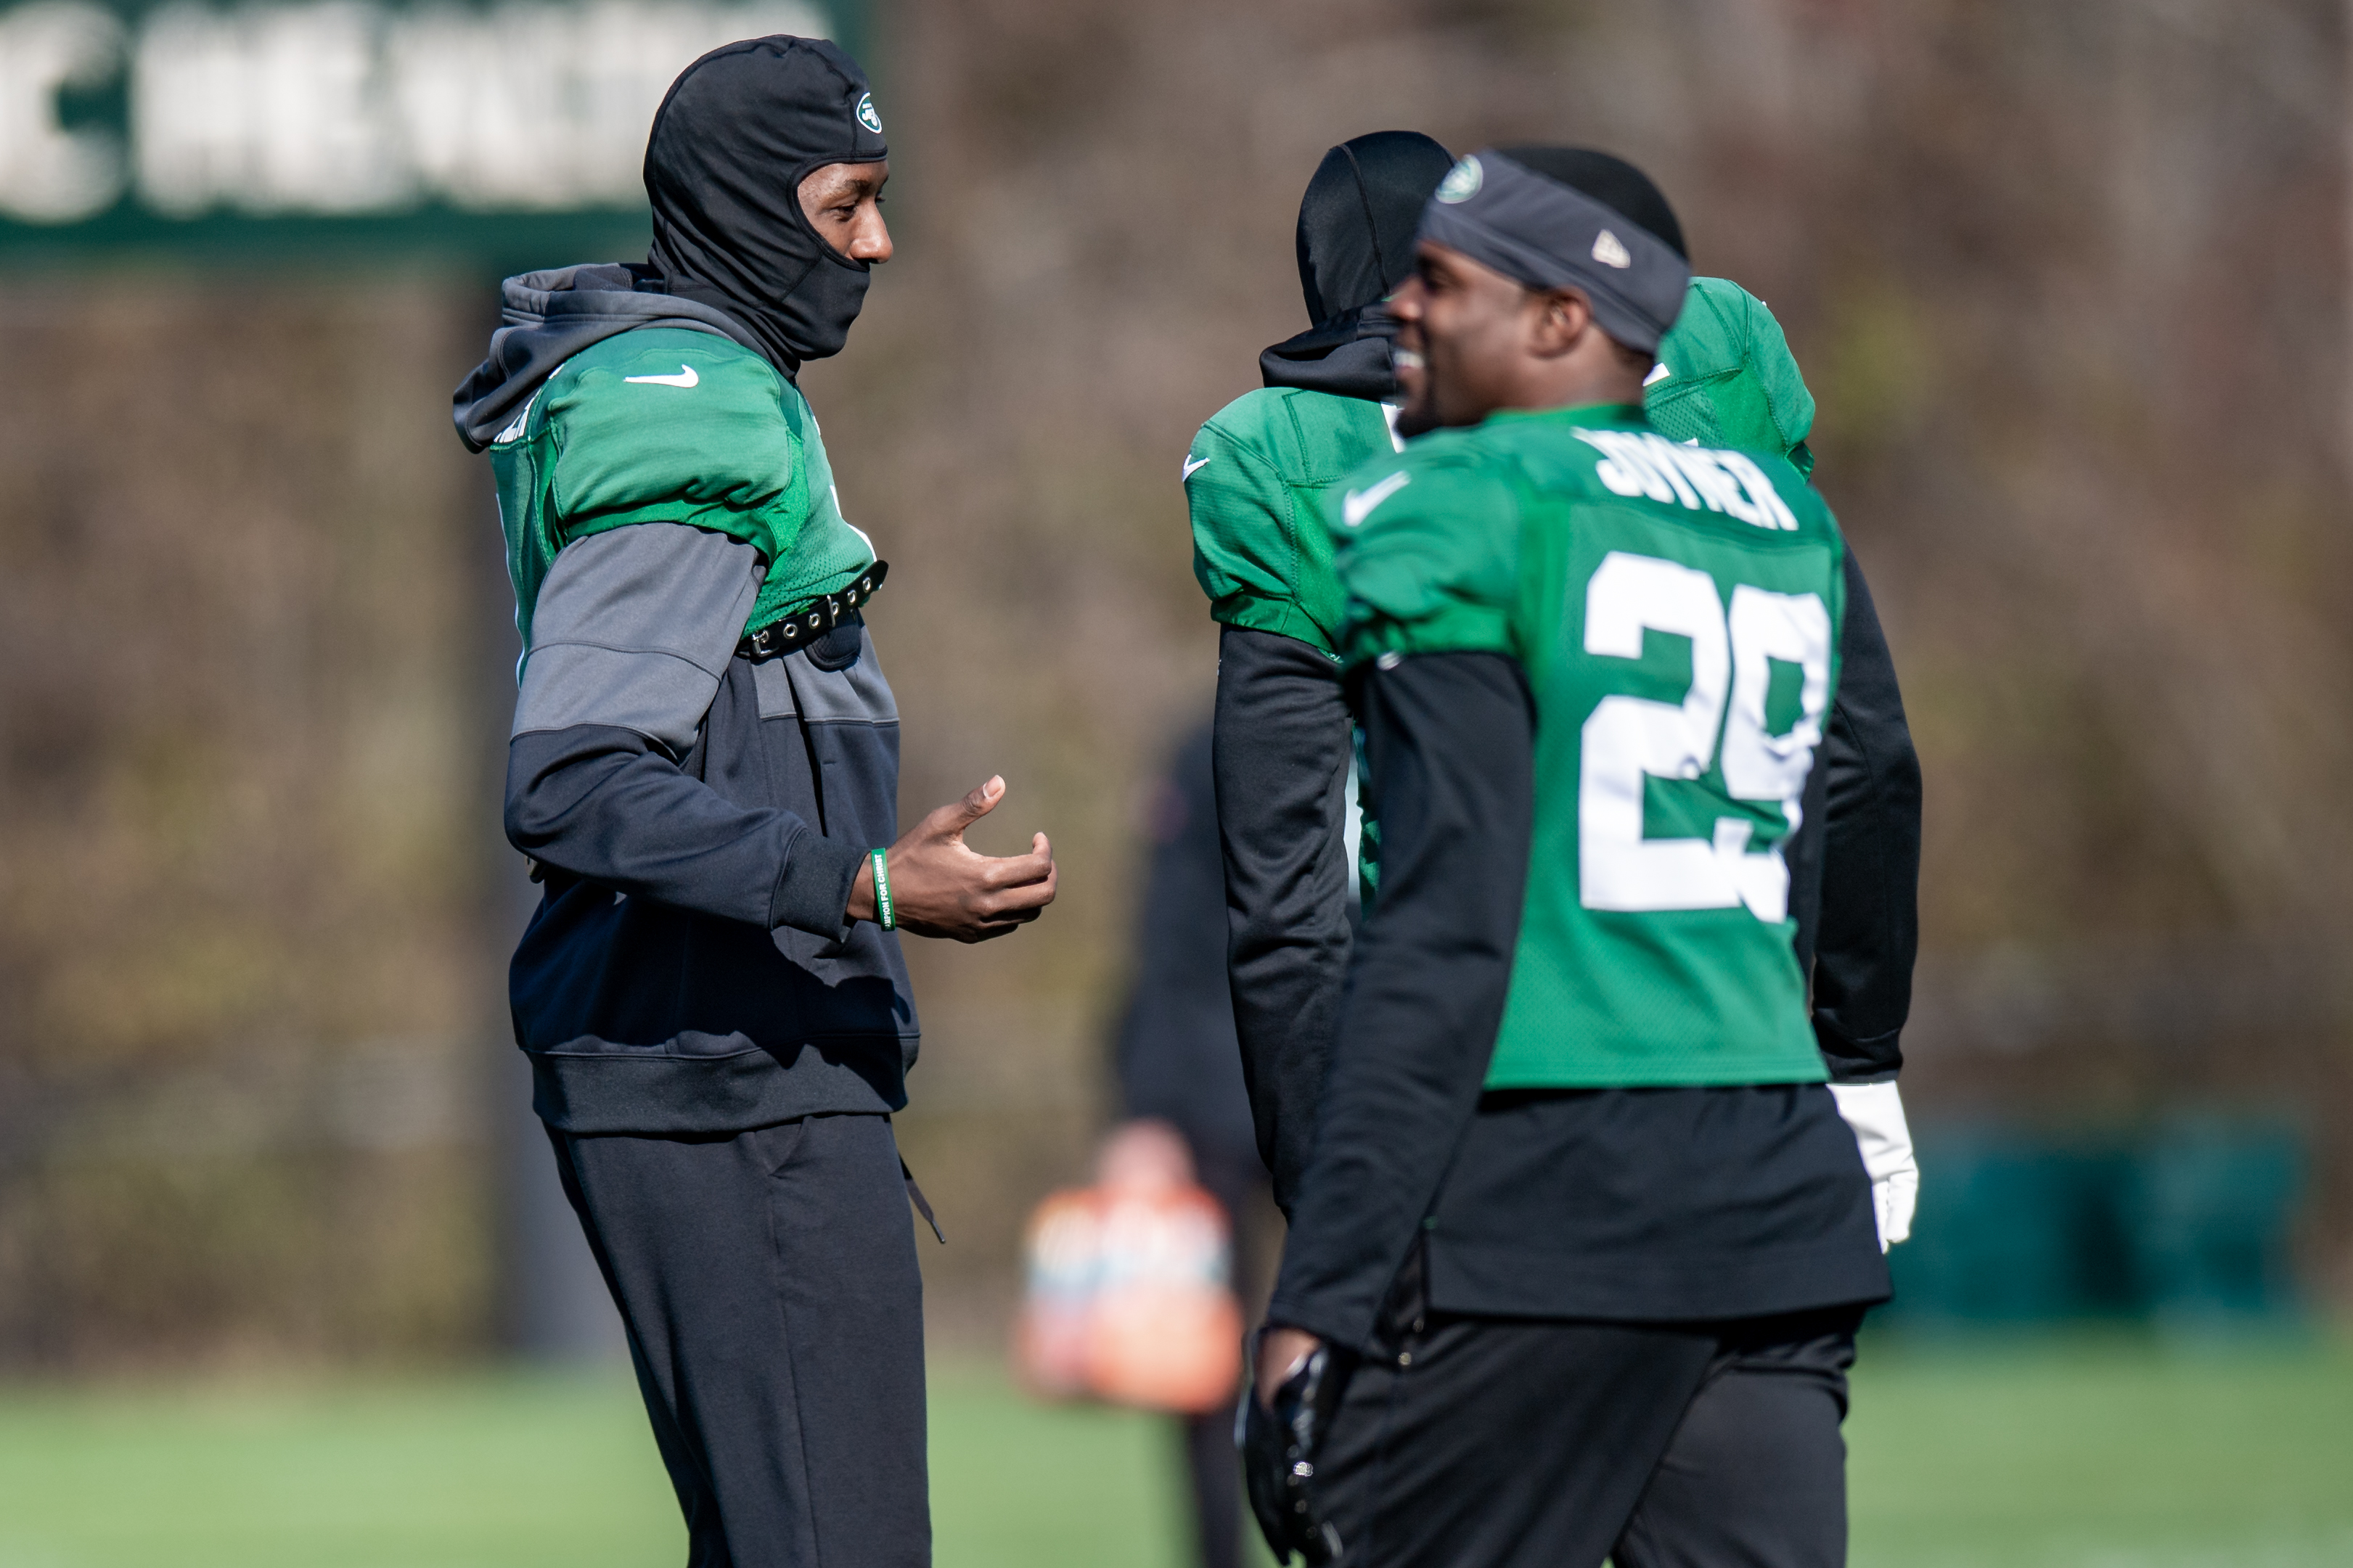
1279	1450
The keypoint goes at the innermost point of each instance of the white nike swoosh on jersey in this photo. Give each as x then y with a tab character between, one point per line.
1659	371
1193	465
521	419
1357	505
685	377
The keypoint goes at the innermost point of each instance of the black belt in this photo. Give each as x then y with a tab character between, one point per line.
812	621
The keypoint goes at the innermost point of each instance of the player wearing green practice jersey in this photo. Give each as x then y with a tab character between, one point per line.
1576	1265
705	771
1256	479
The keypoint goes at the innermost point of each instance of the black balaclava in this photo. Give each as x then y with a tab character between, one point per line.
740	128
1356	245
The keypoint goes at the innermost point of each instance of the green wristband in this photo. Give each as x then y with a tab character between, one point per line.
885	916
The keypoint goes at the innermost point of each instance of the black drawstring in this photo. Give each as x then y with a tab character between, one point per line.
922	1206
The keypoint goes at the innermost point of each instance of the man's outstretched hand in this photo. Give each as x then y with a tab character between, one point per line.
940	887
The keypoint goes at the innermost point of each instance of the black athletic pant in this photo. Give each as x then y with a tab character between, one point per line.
775	1313
1496	1443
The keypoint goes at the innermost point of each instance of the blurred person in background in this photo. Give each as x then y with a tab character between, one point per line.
703	770
1257	478
1576	1264
1180	1072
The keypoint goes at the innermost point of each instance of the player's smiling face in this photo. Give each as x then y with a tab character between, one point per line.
1462	330
844	203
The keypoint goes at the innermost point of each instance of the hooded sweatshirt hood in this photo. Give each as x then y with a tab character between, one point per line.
740	130
1355	242
549	316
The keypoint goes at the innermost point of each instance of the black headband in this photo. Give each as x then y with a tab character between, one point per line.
1547	235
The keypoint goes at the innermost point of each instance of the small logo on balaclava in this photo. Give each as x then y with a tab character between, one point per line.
1610	251
1461	182
866	115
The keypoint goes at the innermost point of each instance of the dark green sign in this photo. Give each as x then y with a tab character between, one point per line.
510	128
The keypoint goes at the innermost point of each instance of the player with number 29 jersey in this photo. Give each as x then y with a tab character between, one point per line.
1575	1268
1675	610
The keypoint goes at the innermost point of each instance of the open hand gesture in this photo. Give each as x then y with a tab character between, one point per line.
941	887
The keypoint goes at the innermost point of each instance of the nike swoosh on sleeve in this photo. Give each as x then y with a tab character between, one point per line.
1192	466
685	377
1357	505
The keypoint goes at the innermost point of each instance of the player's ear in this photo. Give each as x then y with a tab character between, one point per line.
1563	317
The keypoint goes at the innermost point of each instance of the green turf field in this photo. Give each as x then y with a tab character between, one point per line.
2089	1454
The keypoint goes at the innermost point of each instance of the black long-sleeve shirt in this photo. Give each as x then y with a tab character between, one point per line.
1859	917
1282	759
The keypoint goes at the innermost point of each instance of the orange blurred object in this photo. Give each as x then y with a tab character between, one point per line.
1128	1300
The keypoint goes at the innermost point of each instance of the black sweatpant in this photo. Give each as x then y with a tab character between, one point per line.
774	1315
1499	1443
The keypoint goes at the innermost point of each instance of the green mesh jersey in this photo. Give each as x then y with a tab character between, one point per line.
666	425
1725	377
1255	481
1676	609
1259	471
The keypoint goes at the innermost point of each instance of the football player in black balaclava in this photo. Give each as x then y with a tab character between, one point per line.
705	771
759	158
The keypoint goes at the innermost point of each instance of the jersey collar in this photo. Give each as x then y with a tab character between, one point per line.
1629	415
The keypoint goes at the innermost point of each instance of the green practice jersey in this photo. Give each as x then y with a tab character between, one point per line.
1677	610
1255	481
1259	471
668	424
1725	377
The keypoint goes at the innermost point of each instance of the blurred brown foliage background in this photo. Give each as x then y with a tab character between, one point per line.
2070	283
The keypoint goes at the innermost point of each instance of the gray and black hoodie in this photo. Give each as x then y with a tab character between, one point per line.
696	813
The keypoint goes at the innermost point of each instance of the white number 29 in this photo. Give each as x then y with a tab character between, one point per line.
1628	739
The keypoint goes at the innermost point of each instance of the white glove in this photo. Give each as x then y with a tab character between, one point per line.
1876	1112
